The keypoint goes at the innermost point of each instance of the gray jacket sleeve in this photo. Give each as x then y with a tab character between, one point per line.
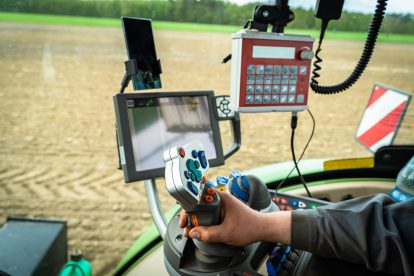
375	231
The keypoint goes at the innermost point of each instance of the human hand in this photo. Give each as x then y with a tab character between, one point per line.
240	225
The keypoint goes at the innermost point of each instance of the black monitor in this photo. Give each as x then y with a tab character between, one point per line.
140	46
150	123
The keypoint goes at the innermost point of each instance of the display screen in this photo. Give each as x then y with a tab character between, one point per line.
158	124
140	46
273	52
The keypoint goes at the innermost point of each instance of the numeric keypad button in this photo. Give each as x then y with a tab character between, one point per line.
249	99
258	89
251	69
278	69
268	79
251	79
276	89
303	70
250	89
259	79
269	69
285	79
258	99
275	99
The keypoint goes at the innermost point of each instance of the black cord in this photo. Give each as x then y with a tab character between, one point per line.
363	60
292	147
318	60
303	151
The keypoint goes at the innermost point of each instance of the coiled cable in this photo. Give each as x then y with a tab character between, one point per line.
363	60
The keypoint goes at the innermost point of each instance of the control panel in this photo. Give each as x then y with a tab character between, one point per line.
288	202
270	71
223	108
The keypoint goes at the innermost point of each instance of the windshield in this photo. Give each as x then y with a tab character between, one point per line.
61	62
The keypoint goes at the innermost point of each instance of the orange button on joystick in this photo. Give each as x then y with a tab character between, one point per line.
195	220
211	191
209	198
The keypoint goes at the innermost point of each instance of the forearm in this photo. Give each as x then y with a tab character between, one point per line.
276	227
372	230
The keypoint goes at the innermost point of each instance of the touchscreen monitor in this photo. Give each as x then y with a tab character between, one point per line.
149	124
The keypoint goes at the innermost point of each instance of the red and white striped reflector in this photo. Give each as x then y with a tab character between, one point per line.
382	117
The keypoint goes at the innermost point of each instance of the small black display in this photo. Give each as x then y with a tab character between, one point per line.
140	46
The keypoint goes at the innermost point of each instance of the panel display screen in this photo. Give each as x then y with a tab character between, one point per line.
150	125
159	124
274	52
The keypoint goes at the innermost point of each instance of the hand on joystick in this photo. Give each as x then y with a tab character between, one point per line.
240	225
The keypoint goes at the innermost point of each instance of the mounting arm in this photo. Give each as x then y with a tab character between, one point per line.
278	15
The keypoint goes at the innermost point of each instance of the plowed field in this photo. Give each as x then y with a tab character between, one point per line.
58	153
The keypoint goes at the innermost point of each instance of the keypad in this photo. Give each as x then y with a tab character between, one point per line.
274	84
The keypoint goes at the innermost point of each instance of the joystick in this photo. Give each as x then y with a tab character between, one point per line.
250	190
184	173
185	168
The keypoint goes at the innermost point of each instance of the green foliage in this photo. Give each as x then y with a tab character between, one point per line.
198	11
182	26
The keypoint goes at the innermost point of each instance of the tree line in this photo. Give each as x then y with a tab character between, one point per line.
198	11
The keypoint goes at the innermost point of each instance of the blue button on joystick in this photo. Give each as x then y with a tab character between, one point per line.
194	154
238	192
244	182
222	180
235	174
211	184
192	188
202	158
186	174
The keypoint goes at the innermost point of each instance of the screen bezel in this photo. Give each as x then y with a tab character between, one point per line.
124	133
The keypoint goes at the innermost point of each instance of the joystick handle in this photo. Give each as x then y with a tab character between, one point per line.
207	211
185	167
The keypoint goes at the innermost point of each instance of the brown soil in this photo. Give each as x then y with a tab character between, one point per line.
57	139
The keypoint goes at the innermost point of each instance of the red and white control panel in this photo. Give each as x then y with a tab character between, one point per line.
270	71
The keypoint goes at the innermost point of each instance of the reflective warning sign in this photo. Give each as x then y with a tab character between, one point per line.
382	117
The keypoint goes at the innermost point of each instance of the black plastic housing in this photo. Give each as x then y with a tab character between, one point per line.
30	246
329	9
